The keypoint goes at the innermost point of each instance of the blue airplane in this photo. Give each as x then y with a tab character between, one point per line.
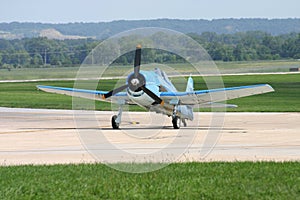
154	91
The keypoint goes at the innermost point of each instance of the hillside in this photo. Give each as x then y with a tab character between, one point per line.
103	30
54	34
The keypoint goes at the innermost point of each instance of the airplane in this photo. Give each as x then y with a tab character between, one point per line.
154	91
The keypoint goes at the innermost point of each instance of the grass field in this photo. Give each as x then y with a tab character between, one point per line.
286	97
257	66
216	180
70	72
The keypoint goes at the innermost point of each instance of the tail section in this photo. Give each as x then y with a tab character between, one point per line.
190	85
186	110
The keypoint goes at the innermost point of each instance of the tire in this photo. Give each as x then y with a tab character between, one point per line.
176	122
114	124
184	122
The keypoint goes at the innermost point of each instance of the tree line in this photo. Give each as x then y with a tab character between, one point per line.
103	30
250	46
247	46
38	52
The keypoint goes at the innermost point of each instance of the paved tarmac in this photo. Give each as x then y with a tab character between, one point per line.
41	136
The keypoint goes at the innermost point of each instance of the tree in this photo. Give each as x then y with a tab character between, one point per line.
0	60
36	60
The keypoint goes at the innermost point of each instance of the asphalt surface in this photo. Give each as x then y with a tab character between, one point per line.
41	136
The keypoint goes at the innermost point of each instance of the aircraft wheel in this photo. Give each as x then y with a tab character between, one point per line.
114	124
176	122
184	123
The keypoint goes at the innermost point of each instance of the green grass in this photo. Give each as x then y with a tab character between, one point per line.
286	97
216	180
26	95
38	73
257	66
71	72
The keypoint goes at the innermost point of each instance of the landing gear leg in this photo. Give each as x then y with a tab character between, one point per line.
116	119
176	122
184	122
175	119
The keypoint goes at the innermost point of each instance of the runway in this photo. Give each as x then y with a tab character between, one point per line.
41	136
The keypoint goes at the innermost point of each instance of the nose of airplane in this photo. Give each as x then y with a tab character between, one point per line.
136	81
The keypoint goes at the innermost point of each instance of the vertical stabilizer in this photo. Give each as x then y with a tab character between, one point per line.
190	85
187	110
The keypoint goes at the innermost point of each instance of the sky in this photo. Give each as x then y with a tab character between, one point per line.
65	11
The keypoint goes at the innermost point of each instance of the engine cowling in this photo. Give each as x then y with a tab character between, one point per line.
141	98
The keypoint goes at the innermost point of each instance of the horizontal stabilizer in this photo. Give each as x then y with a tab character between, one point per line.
217	105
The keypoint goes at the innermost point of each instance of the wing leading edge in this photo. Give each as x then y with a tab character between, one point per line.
87	94
201	97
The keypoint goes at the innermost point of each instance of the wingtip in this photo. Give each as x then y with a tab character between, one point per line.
39	86
270	87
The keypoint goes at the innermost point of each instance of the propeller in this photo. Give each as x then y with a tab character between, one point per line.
137	60
136	81
152	95
115	91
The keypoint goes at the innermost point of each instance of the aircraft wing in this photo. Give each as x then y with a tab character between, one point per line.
87	94
203	97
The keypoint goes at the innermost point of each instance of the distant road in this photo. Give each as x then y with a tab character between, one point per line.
124	77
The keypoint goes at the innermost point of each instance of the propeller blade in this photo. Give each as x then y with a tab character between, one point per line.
137	60
152	95
115	91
